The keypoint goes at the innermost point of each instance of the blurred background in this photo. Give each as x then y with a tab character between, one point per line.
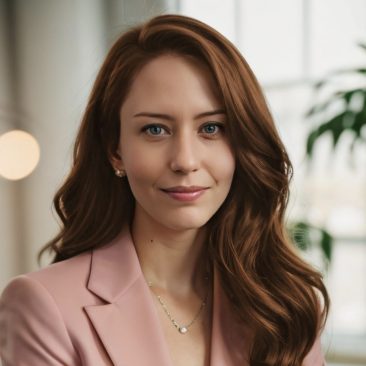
310	58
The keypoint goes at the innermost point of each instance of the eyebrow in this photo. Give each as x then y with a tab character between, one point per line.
170	118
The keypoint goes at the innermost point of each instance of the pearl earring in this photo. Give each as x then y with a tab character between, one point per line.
120	173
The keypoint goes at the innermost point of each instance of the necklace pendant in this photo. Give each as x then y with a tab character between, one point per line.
183	330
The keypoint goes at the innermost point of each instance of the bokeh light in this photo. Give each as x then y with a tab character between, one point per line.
19	154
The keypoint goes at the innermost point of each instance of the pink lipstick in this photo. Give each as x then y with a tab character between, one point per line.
185	194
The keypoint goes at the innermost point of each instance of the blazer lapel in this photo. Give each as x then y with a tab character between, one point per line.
128	324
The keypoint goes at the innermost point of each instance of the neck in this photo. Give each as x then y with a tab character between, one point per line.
171	260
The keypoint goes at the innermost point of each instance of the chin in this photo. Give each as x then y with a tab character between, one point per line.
181	225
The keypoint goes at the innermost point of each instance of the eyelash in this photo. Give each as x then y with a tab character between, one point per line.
220	125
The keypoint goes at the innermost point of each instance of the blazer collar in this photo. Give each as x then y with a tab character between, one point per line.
114	267
128	324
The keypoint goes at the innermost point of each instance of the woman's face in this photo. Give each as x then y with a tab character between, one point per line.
173	135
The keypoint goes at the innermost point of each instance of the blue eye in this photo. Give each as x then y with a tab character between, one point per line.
154	130
212	128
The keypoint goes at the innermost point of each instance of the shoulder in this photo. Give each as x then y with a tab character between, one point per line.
59	282
75	269
31	324
58	286
36	309
48	286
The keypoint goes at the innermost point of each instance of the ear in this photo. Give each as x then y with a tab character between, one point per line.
115	159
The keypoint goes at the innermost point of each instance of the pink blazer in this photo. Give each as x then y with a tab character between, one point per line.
96	309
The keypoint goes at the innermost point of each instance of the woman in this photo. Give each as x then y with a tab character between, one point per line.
172	249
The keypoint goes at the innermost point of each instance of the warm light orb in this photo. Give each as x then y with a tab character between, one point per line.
19	154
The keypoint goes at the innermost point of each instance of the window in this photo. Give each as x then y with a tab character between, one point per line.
289	44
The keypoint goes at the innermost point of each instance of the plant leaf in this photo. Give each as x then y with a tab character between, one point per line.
326	244
345	95
359	122
362	45
335	126
300	235
312	137
300	232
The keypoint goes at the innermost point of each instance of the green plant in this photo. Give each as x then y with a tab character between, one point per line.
306	237
352	116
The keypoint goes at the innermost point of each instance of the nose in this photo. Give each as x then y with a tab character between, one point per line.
185	154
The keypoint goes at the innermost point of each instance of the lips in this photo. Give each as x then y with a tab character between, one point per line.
185	194
184	189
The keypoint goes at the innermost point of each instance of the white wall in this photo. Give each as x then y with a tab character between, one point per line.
9	260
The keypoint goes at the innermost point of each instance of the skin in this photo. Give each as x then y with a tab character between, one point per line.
169	235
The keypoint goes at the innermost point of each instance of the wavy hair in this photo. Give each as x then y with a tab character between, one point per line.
280	297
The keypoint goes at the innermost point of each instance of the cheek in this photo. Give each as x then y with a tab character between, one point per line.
140	163
224	164
140	170
135	156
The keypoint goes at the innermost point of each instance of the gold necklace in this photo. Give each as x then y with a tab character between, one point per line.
182	328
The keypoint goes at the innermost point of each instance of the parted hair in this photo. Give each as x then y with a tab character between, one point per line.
277	295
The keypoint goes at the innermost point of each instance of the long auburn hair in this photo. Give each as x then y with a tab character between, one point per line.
281	298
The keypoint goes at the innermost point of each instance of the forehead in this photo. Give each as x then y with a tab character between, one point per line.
172	81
